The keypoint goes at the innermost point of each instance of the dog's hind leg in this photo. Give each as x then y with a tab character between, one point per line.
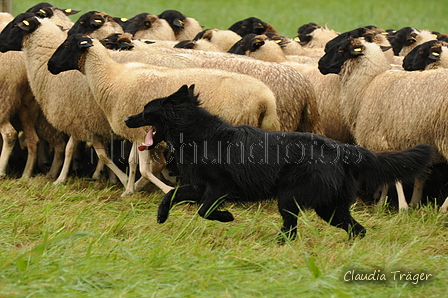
339	216
210	202
174	196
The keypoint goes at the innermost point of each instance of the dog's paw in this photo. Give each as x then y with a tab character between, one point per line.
223	216
162	214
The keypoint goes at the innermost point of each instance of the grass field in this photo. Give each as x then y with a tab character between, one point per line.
82	239
285	16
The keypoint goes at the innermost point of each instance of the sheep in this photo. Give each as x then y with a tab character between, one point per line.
372	34
39	39
294	93
326	87
407	38
184	28
17	98
89	23
251	25
428	55
387	109
58	15
289	47
201	45
222	39
312	35
258	107
148	26
5	17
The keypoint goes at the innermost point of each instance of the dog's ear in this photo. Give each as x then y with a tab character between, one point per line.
178	97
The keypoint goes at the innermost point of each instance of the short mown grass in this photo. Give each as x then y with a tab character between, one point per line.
82	239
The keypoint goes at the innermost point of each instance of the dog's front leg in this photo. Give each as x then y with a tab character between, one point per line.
174	196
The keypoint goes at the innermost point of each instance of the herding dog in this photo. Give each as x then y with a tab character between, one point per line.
220	162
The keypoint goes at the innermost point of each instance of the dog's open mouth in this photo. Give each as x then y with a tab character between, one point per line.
149	141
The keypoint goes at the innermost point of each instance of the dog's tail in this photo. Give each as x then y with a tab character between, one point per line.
389	166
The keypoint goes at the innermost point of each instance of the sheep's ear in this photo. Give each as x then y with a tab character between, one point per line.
178	23
434	56
385	48
256	43
97	22
357	51
69	11
28	25
85	42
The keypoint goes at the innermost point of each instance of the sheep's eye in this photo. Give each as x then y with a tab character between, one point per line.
421	52
340	51
66	45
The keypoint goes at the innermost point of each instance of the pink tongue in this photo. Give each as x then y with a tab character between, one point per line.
148	140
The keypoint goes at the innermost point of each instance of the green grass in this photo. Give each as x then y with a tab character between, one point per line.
285	16
82	239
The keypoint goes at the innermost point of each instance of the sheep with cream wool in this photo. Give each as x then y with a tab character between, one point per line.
184	27
90	23
406	39
223	93
223	39
312	35
294	93
5	17
58	15
326	87
429	55
65	100
148	26
252	25
388	109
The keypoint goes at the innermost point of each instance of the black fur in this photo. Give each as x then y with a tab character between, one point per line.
221	162
249	25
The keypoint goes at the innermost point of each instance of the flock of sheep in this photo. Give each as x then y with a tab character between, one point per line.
247	74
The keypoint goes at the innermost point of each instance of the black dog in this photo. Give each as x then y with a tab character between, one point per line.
220	162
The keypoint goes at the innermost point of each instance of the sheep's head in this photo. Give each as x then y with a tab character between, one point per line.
251	25
366	32
423	55
304	33
249	43
12	36
68	55
142	21
159	114
205	34
88	22
118	41
175	18
402	38
335	57
96	24
46	10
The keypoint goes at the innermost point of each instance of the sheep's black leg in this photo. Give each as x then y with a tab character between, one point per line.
174	196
